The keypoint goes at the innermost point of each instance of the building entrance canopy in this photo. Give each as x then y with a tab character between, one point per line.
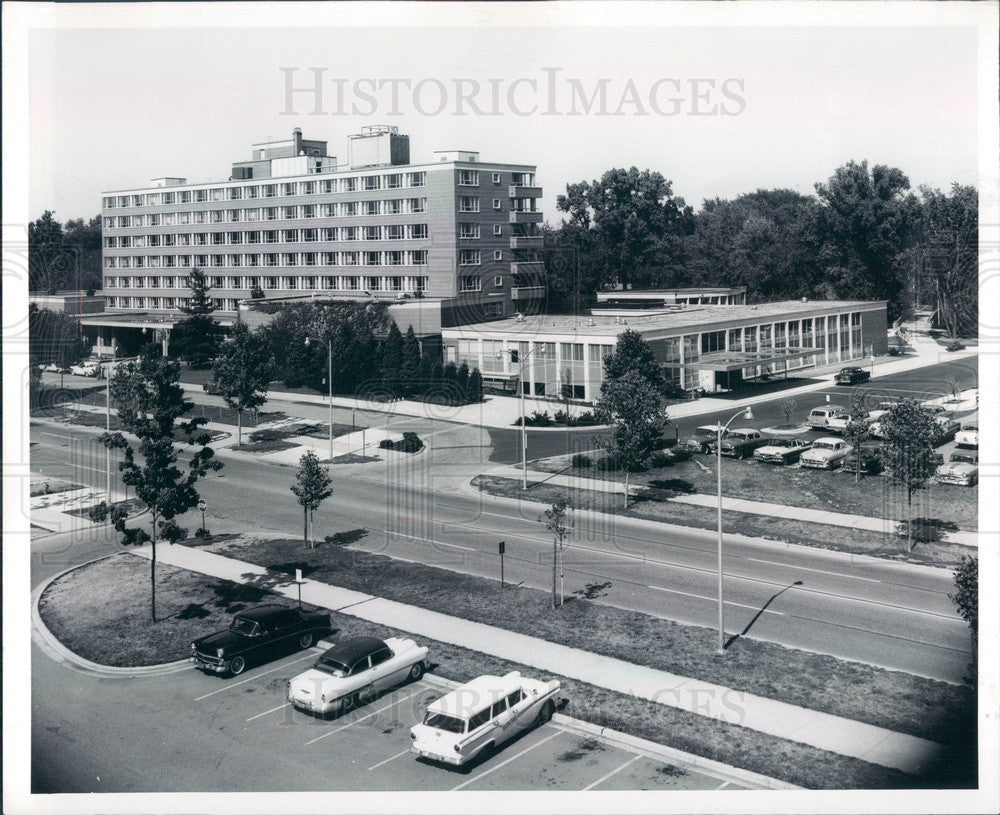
737	360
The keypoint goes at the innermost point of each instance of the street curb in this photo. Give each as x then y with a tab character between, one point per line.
49	643
650	749
767	543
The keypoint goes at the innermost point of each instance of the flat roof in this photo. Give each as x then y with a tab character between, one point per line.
700	316
135	319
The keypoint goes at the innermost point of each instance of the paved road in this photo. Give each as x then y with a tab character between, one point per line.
885	614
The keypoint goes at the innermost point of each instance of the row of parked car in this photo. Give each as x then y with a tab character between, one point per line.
83	368
832	452
460	726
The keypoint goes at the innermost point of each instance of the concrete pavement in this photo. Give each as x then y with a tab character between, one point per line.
824	731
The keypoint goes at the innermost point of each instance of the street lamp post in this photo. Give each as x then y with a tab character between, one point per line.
520	387
329	387
746	413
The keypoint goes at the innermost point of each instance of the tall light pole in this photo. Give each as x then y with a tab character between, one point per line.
746	413
515	356
329	386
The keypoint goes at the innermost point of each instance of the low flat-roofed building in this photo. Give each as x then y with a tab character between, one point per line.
698	346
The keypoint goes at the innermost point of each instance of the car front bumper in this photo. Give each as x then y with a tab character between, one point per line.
959	480
826	464
212	665
455	758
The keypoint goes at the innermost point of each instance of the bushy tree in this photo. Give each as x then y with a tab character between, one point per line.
392	358
241	374
197	337
150	405
475	389
907	452
633	354
462	382
634	410
558	523
54	337
858	430
966	600
409	366
311	488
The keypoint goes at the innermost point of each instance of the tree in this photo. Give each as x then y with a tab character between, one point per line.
409	366
634	355
196	338
907	452
787	408
150	405
559	525
256	293
311	487
636	222
634	410
966	600
475	390
858	430
54	337
392	358
241	374
864	226
462	383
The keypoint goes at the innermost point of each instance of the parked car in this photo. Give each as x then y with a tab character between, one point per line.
702	439
481	715
255	635
781	450
826	453
962	468
55	367
88	368
947	428
741	442
669	456
838	424
968	436
868	462
852	376
819	417
354	671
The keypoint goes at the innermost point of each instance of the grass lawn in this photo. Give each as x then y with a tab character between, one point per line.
51	486
891	699
101	611
873	497
841	539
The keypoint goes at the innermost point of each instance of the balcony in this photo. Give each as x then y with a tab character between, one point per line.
527	267
521	217
527	292
526	241
517	191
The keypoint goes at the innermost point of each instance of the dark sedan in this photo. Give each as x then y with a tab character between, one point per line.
852	376
256	635
869	462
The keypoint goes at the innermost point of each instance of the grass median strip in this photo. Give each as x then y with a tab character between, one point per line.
898	701
790	530
101	611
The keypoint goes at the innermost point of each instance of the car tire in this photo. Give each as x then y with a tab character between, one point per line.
237	666
305	641
545	714
416	671
351	701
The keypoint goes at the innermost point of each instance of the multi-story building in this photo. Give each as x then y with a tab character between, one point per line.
292	220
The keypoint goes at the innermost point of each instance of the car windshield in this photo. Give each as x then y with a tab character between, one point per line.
332	666
248	628
825	445
443	722
705	431
971	427
962	459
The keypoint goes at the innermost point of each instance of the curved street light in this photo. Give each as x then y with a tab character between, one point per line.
746	413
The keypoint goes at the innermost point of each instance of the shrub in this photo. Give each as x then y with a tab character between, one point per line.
894	351
580	460
954	345
202	534
410	443
608	464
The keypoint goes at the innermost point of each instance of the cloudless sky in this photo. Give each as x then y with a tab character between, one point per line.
111	109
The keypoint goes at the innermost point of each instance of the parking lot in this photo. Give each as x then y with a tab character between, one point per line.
241	734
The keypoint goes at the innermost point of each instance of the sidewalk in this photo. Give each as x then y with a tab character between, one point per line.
818	516
824	731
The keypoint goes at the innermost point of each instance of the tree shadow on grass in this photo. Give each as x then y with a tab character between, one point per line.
231	597
346	538
592	591
760	611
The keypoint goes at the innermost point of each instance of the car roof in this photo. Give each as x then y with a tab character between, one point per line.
830	439
473	696
828	407
745	430
350	651
263	612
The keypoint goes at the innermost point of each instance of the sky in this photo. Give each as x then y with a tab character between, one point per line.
112	108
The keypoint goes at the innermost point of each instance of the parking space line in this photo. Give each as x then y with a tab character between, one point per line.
387	760
368	716
615	771
230	685
715	599
505	763
279	707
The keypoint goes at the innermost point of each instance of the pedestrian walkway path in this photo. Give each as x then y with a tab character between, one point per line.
843	736
819	516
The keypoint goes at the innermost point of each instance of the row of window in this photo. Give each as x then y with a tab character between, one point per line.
345	209
388	283
390	181
470	203
392	232
415	257
471	231
470	178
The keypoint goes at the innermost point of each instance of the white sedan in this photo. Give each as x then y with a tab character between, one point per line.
968	436
354	671
826	453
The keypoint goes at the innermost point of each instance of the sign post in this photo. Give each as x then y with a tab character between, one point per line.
298	582
502	547
202	506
